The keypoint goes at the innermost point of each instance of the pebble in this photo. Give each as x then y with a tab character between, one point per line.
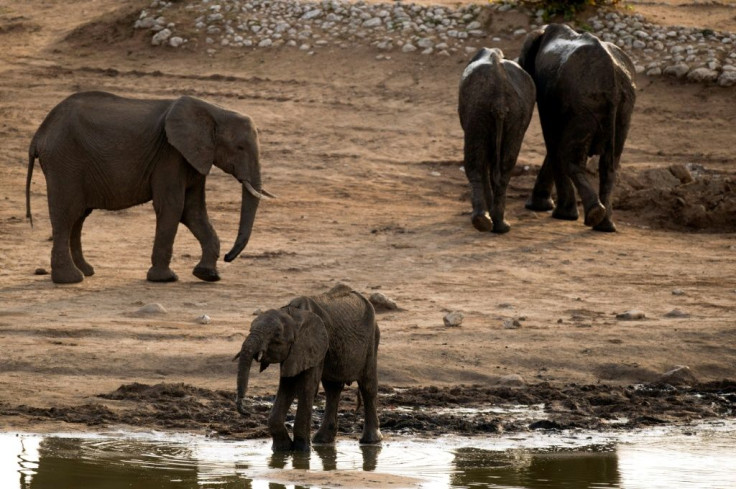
203	319
258	312
632	315
688	53
509	323
680	375
453	319
152	308
382	303
676	313
678	292
41	271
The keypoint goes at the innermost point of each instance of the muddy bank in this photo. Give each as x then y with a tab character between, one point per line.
429	411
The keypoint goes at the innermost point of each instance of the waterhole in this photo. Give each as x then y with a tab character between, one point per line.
699	456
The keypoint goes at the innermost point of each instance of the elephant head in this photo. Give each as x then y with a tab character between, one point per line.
205	135
295	338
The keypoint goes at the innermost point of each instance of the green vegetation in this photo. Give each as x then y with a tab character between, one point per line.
565	8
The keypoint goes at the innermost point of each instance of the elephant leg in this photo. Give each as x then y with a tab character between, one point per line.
169	206
541	198
328	430
369	392
476	169
284	397
76	246
195	218
63	216
574	165
305	402
500	180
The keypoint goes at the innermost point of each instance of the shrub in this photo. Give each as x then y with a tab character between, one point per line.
565	8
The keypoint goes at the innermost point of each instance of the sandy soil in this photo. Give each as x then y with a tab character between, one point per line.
365	156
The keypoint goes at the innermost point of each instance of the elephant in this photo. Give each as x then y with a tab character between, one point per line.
496	103
332	337
101	151
585	96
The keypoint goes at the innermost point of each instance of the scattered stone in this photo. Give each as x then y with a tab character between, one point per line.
509	323
702	75
453	319
679	70
258	312
161	37
678	292
727	79
682	173
382	303
203	319
176	41
676	313
632	315
152	308
680	375
41	271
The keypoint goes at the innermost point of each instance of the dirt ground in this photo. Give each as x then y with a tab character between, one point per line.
366	157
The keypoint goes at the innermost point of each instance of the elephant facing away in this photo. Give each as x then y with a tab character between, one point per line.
331	337
101	151
585	96
496	103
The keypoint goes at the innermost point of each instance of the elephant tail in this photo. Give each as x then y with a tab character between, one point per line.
32	155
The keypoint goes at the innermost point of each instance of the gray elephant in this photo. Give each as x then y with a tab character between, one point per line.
496	103
332	337
585	97
101	151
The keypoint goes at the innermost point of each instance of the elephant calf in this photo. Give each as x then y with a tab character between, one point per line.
101	151
332	337
495	104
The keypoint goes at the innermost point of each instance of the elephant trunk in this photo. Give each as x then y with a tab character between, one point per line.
248	352
249	205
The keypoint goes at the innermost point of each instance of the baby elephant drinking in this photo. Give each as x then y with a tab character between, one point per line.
333	337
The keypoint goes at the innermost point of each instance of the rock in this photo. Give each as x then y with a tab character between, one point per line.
682	173
203	319
258	312
145	23
152	308
727	79
473	26
512	380
678	292
453	319
678	70
680	375
702	75
265	43
656	71
632	315
176	41
161	37
311	14
408	48
372	22
382	303
519	32
676	313
509	323
41	271
425	43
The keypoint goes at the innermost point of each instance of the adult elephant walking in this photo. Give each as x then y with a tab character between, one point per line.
585	97
331	337
101	151
496	102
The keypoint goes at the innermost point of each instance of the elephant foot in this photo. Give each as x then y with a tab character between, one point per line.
86	269
161	275
570	214
371	437
301	445
281	445
68	275
605	226
323	438
540	204
595	215
481	222
206	274
500	226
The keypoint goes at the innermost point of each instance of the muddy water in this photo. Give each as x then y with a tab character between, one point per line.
702	456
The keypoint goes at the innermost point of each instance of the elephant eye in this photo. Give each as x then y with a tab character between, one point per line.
241	148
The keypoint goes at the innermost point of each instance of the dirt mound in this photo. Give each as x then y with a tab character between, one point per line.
417	411
678	199
110	28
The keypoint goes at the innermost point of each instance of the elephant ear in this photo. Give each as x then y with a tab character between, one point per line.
190	128
310	343
528	56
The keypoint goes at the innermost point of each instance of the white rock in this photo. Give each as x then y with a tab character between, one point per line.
453	319
425	43
727	79
176	41
372	22
408	48
632	315
473	25
519	32
311	14
265	43
702	75
679	70
203	319
161	37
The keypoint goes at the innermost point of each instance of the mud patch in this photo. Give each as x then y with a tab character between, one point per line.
111	28
427	411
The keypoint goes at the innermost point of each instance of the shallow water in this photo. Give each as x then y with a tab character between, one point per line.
702	456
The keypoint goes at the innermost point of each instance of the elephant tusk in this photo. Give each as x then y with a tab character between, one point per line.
258	356
255	193
236	357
